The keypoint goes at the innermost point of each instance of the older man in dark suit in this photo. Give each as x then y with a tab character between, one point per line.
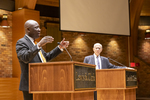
100	61
30	52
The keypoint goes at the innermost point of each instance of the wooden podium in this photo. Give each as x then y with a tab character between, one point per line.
116	84
62	81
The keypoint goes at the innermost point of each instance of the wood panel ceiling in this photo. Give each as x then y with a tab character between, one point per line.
48	2
144	12
146	8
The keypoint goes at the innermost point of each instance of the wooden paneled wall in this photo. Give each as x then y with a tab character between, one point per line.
9	88
19	18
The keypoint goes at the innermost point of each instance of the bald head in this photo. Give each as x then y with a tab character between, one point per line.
28	24
32	28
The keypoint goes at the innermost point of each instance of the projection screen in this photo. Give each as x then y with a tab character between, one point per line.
95	16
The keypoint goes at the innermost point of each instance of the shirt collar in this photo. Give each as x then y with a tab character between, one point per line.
96	56
31	39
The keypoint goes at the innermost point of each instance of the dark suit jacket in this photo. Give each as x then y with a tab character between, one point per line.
27	53
104	62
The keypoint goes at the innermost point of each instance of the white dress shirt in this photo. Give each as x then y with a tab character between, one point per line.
99	58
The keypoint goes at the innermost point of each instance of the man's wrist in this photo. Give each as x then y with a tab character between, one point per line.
38	46
60	48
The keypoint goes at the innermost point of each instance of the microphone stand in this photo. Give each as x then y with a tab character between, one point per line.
66	50
116	62
121	64
68	53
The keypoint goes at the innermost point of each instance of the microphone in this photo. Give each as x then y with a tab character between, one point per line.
116	61
66	50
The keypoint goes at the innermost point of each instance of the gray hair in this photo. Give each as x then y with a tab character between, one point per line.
97	44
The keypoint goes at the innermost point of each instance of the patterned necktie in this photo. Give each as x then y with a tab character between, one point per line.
40	52
98	64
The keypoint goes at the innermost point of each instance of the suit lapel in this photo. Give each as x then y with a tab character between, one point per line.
93	59
30	45
28	41
102	62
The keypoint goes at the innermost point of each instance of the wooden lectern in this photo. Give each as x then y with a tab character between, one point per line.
62	81
116	84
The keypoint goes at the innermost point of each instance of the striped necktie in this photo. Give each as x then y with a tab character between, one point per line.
40	52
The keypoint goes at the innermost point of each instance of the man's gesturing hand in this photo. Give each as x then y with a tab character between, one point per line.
45	40
63	44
